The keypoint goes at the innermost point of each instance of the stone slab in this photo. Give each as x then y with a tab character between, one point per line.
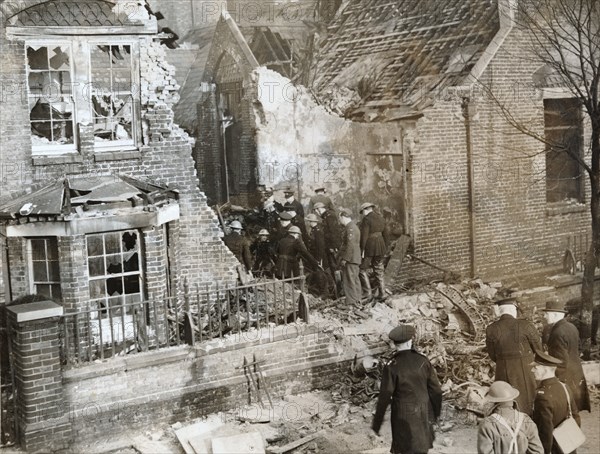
36	311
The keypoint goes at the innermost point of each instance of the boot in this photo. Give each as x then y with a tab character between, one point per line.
367	294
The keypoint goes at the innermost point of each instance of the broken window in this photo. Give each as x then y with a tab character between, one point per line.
112	93
44	269
564	134
114	271
104	91
50	97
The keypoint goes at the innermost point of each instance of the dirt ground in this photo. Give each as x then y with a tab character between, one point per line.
344	429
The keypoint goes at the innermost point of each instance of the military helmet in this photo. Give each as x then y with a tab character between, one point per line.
500	391
294	229
318	205
237	225
312	218
263	232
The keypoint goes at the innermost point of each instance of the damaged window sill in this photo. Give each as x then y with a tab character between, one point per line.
57	159
558	208
117	155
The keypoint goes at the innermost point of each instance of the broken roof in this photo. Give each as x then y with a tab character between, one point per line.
397	55
61	198
66	13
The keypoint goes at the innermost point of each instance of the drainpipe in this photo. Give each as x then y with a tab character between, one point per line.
468	111
226	122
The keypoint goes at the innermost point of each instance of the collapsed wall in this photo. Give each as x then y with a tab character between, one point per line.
300	144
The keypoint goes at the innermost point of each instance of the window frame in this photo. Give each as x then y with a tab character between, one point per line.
54	149
102	305
30	265
82	89
577	125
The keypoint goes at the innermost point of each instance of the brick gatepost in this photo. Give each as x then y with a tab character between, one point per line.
41	415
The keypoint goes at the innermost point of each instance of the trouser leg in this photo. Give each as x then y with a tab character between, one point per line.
379	272
365	283
351	283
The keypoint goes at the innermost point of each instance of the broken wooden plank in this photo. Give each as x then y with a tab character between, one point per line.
294	444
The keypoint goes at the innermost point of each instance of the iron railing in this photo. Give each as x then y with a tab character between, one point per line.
195	315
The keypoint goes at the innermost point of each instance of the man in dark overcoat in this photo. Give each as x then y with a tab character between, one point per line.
289	249
264	254
333	232
238	244
563	343
373	251
550	406
350	257
320	197
511	343
410	383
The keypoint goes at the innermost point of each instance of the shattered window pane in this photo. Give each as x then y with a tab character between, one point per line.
114	271
112	96
45	273
50	102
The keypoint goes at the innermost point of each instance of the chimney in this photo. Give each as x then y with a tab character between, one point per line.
507	10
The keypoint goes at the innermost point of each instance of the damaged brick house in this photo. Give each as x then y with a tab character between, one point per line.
101	216
397	114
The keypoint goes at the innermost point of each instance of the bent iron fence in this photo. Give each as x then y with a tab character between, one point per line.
196	315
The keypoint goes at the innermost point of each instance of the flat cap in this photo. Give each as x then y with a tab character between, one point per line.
366	205
402	333
545	359
318	205
287	215
554	306
345	212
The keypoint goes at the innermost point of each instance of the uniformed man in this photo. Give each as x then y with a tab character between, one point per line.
506	430
373	251
298	222
320	282
238	244
350	257
292	204
511	343
289	249
563	343
410	383
551	406
333	234
320	197
264	254
281	230
316	239
269	212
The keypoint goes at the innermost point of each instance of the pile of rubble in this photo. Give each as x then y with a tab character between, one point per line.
450	321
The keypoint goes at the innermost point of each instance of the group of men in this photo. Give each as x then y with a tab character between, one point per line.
329	243
533	393
550	386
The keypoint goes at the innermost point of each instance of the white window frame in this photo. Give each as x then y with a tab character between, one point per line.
96	302
30	254
80	69
53	149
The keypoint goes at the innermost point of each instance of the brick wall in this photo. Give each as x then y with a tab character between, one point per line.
164	157
516	231
183	382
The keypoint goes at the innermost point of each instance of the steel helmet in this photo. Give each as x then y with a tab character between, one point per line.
500	391
294	229
318	205
263	232
312	218
366	205
235	225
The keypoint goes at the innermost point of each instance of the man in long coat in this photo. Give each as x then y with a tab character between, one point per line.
563	343
551	406
511	344
373	251
349	257
410	383
238	244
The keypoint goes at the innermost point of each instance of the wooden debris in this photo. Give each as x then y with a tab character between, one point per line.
294	444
